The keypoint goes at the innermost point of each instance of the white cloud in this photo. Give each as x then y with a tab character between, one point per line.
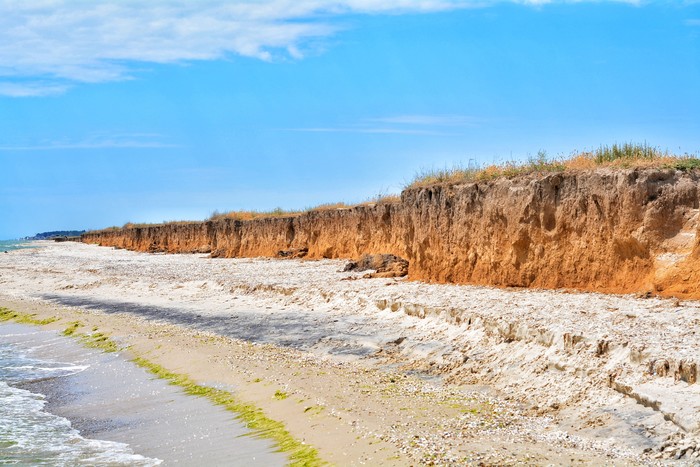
403	124
97	41
57	43
114	141
31	89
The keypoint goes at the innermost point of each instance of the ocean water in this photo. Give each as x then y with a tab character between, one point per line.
47	379
9	245
29	435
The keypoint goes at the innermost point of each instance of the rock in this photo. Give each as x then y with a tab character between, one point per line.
293	253
384	265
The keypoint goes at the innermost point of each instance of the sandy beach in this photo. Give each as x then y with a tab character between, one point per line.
385	371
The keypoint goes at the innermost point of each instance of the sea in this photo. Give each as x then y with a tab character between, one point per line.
32	436
9	245
60	402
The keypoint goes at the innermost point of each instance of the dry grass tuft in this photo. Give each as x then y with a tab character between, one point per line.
382	199
328	207
250	215
132	225
626	155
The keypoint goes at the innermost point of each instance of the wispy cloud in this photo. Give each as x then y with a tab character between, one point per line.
692	22
375	130
48	45
403	124
431	120
80	41
117	141
31	89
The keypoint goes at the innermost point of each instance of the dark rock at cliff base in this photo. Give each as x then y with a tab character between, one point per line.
383	265
293	253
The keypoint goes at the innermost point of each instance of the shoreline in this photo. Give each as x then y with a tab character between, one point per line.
385	370
183	351
325	400
111	399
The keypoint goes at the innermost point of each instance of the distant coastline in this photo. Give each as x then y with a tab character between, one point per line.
55	233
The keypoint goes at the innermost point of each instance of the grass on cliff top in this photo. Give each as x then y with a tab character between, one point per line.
628	155
243	215
279	212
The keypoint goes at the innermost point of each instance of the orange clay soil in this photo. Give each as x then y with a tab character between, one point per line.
607	229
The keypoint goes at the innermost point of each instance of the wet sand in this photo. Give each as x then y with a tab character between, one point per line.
115	400
387	371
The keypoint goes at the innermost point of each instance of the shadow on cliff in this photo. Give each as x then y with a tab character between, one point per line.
355	337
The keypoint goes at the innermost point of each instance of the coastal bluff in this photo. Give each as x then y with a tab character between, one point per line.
606	229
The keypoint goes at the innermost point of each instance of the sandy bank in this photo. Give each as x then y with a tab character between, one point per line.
534	376
608	229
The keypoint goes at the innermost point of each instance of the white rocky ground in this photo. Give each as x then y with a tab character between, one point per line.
609	373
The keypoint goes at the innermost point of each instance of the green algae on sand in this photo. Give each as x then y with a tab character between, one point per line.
300	454
23	318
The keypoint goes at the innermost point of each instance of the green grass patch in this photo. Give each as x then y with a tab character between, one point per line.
254	418
23	318
687	163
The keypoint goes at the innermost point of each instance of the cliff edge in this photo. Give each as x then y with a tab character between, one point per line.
607	229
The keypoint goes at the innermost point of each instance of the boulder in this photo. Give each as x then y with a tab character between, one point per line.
384	265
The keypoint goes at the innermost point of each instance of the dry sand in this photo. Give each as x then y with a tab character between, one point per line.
389	371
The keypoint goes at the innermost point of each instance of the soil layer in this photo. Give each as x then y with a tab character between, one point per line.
608	230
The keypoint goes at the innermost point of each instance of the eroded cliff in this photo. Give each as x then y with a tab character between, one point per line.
610	230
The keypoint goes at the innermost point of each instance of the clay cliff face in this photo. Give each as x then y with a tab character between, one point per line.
610	230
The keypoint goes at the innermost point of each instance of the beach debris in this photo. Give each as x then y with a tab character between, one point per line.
293	253
384	265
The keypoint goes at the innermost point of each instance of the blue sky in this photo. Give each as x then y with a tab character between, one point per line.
146	112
